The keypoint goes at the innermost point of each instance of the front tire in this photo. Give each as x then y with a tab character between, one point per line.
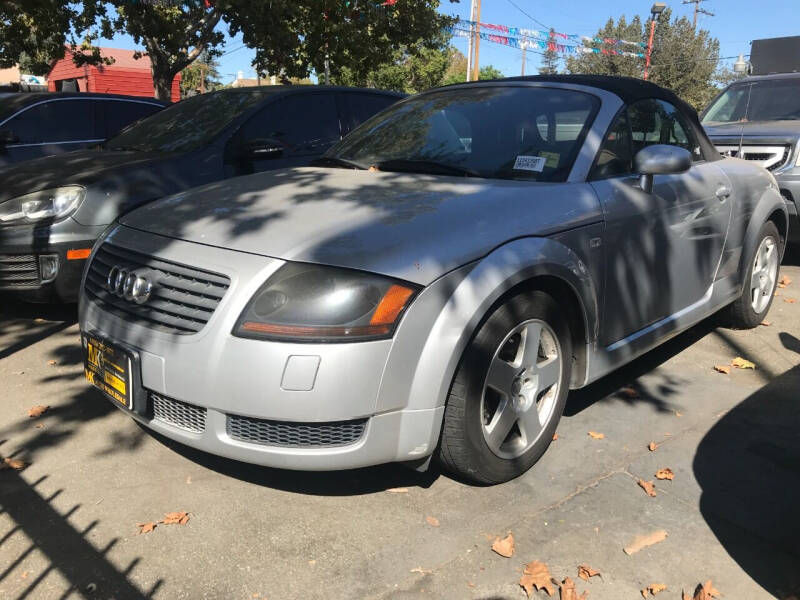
509	391
760	280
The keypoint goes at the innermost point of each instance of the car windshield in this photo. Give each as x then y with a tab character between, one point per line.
495	131
187	125
767	100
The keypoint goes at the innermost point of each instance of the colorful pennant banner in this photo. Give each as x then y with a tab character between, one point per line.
568	39
526	44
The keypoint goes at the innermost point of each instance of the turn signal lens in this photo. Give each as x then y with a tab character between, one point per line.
324	304
81	254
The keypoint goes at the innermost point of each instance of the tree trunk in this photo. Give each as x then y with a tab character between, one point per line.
162	84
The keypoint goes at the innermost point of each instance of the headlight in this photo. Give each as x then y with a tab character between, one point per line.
307	303
50	205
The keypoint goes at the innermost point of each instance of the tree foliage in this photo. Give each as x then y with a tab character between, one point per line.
683	59
203	74
291	37
550	59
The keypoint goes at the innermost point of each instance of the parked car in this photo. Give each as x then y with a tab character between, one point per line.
41	124
758	119
457	264
53	209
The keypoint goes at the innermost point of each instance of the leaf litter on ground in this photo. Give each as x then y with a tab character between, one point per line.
537	575
504	547
724	369
742	363
703	591
653	589
37	411
585	572
596	436
648	487
567	591
643	541
12	463
665	474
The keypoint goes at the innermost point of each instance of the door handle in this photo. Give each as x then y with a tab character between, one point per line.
723	192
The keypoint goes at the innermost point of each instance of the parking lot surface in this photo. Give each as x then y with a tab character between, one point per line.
68	527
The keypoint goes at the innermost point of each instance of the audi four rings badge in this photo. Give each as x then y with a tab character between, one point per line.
131	285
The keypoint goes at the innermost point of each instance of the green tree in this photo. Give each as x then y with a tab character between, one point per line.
490	72
456	67
550	59
683	59
203	74
291	37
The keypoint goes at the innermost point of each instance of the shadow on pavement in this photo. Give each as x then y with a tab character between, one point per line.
22	325
748	466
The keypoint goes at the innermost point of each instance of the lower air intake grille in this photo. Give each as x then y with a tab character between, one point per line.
295	435
19	271
179	414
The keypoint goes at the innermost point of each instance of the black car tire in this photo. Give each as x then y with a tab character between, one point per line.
463	448
741	314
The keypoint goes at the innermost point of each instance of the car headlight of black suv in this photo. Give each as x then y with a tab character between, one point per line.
52	204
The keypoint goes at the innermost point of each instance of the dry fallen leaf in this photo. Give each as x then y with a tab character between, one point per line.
432	521
678	414
175	518
397	490
596	436
648	487
537	575
52	362
790	300
665	474
12	463
766	323
146	527
722	369
421	571
566	591
629	392
652	446
742	363
781	285
555	437
373	169
785	280
504	547
37	411
704	591
585	571
653	589
643	541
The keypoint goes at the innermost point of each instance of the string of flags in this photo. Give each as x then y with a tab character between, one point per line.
533	39
560	42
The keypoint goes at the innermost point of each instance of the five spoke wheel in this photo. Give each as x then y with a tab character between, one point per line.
521	388
765	272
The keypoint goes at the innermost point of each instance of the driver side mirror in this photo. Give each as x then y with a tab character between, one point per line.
261	149
660	159
8	137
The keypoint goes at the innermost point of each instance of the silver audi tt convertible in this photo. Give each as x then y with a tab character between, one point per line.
436	284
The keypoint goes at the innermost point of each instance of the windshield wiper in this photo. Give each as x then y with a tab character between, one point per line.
335	161
425	166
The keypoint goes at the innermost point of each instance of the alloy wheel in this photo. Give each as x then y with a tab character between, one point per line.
765	274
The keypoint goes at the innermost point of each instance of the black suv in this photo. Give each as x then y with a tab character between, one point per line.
54	208
40	124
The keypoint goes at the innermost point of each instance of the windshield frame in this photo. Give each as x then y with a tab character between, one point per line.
597	100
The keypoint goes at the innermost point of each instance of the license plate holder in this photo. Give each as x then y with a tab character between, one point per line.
114	369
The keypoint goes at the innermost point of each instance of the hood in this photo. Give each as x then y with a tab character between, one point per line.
784	131
410	226
80	167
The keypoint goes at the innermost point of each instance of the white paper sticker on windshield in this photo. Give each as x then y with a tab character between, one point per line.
530	163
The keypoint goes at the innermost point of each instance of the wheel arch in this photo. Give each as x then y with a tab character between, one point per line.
528	263
770	207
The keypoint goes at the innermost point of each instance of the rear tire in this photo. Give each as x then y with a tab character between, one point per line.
508	392
760	280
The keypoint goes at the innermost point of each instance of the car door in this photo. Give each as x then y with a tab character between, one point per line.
290	132
52	127
663	249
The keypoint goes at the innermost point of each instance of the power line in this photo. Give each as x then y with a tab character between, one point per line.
532	18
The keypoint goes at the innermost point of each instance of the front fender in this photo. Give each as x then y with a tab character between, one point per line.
769	202
427	351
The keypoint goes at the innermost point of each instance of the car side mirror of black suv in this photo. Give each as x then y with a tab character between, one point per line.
660	159
261	149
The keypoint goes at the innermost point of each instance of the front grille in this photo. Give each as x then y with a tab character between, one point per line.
294	435
769	157
183	297
19	271
179	414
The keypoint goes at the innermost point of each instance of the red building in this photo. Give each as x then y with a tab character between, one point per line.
126	75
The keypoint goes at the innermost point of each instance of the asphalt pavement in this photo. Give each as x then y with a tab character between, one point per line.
68	526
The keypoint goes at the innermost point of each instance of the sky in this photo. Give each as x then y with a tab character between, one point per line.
735	24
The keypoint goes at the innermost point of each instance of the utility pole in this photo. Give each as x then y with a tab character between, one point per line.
697	10
655	11
471	38
475	63
523	55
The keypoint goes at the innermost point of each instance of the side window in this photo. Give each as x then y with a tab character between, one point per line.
360	107
615	157
56	121
121	113
659	122
304	123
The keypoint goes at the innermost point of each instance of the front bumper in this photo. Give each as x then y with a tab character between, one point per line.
26	254
199	386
